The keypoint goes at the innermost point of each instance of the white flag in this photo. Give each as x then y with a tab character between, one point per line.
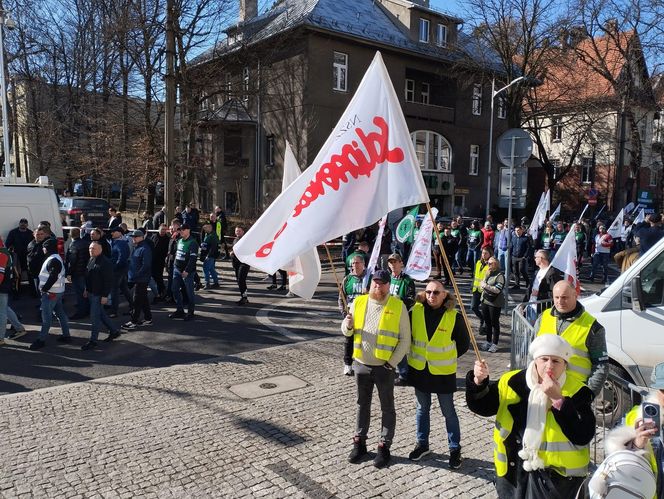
565	260
616	225
303	272
375	252
629	208
556	213
419	261
641	217
539	217
366	168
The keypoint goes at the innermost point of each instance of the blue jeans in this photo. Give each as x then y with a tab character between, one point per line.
210	272
423	418
13	319
49	306
82	304
502	255
472	257
188	282
98	316
4	303
603	260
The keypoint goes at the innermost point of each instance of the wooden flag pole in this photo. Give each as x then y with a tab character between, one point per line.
336	278
454	285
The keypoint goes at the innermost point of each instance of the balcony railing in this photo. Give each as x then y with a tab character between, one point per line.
429	112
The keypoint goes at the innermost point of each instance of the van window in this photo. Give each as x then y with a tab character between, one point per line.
652	282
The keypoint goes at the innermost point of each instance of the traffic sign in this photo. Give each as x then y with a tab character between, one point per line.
514	147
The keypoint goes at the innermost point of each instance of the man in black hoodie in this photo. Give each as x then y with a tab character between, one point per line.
160	240
35	256
77	260
98	282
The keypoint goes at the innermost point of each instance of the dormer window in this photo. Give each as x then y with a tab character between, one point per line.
441	35
424	30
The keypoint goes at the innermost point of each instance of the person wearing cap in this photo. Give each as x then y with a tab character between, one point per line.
77	260
140	268
18	240
362	250
52	289
569	319
403	287
544	423
120	262
379	325
186	255
474	243
601	254
638	433
439	337
351	287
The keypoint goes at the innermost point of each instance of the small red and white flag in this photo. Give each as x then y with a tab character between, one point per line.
366	168
419	260
566	261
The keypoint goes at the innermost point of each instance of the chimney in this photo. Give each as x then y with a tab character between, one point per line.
248	10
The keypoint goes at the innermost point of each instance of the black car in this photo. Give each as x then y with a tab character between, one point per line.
94	209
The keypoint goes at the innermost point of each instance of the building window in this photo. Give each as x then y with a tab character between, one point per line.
424	30
425	93
340	72
269	150
474	160
441	35
643	130
228	88
230	203
556	168
502	107
245	84
433	151
556	129
410	90
654	175
477	99
586	170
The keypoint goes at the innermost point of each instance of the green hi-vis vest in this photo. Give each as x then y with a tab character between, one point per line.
576	334
440	353
630	420
388	327
556	451
478	277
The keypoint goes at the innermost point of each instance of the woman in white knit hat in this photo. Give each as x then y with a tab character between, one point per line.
544	423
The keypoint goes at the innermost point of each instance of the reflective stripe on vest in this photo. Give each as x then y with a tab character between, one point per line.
59	284
439	354
478	276
576	334
556	451
387	336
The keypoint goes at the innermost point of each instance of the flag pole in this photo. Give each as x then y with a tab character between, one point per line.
457	294
336	278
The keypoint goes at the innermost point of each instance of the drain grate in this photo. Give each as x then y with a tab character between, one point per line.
268	386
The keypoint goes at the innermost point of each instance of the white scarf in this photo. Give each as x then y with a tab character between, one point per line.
538	407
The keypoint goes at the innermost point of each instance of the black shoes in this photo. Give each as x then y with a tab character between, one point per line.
382	458
64	339
111	336
37	344
282	287
272	286
419	452
455	459
400	381
189	317
90	345
243	301
178	314
359	450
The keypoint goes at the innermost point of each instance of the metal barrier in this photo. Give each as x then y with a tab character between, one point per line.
524	316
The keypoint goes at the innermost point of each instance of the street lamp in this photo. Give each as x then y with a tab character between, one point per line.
5	21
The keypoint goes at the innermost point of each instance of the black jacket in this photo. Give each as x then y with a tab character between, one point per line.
78	255
545	290
36	258
160	251
99	276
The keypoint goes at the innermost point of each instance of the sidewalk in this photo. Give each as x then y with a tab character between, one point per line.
181	432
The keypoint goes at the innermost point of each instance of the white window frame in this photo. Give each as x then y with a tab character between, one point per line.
424	27
245	84
409	90
425	93
502	107
340	72
435	146
474	165
586	170
477	99
556	129
654	177
441	35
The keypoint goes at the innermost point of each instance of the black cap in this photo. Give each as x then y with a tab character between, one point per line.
381	275
50	245
185	226
23	221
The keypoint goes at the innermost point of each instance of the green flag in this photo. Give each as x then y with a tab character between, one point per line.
406	228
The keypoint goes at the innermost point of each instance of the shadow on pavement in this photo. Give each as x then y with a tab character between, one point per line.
270	431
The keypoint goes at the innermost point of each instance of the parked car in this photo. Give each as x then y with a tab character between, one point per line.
94	209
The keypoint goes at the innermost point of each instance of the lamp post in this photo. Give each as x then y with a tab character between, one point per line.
5	20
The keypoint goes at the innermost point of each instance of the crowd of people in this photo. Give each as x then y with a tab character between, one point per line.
107	264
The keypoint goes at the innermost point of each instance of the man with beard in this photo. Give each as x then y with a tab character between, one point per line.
380	328
35	257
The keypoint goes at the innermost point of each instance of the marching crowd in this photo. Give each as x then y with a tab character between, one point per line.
107	264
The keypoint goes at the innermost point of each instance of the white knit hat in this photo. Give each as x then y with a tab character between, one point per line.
550	344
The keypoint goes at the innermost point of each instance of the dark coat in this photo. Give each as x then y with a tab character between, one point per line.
141	262
99	276
545	291
78	255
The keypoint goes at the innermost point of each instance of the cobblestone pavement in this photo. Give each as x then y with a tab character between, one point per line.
180	432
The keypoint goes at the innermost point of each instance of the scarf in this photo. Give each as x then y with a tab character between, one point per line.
538	407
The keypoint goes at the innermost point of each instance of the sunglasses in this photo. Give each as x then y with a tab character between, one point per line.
432	292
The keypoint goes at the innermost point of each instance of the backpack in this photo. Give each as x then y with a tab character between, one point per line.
624	474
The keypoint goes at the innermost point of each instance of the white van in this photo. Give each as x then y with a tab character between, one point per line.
34	202
631	310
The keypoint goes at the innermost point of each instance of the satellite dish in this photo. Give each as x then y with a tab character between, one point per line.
517	140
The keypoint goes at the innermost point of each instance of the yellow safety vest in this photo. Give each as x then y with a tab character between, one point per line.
440	353
630	420
556	451
480	273
579	364
388	327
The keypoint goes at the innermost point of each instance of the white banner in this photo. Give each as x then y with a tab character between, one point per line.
641	217
366	168
540	215
303	272
556	213
565	260
616	226
419	261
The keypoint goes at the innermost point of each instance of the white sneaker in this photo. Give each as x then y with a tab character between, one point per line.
348	370
485	346
493	348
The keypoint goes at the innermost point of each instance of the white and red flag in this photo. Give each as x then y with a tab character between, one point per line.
539	217
419	260
565	260
616	227
366	168
304	271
